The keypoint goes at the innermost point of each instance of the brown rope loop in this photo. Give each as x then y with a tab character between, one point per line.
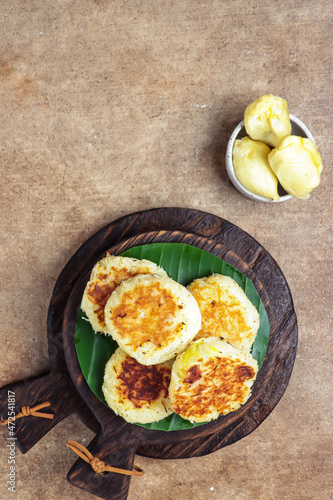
26	411
97	465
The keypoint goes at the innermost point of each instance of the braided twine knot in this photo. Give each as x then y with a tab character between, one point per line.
97	465
26	411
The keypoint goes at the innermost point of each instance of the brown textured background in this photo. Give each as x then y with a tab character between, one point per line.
113	107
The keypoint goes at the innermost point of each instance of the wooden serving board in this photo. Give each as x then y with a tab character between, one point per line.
206	231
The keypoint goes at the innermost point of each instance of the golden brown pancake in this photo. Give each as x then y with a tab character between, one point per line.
136	392
152	318
226	311
106	275
211	378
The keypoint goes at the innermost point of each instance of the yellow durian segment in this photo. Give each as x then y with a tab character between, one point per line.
250	159
297	164
267	119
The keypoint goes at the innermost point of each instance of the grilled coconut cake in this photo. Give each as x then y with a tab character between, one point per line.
136	392
152	318
226	311
211	378
106	275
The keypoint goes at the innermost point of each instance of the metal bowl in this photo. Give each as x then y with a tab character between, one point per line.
297	128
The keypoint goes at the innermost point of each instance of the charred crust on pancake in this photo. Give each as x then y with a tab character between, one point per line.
211	378
243	373
226	310
122	316
107	274
194	374
142	384
218	384
152	317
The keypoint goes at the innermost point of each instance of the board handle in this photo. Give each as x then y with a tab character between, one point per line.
107	447
54	387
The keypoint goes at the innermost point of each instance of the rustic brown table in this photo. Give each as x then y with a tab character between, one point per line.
112	108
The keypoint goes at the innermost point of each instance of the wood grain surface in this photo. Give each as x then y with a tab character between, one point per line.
117	441
238	249
113	108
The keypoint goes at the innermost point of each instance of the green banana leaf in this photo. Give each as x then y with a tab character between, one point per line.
183	263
